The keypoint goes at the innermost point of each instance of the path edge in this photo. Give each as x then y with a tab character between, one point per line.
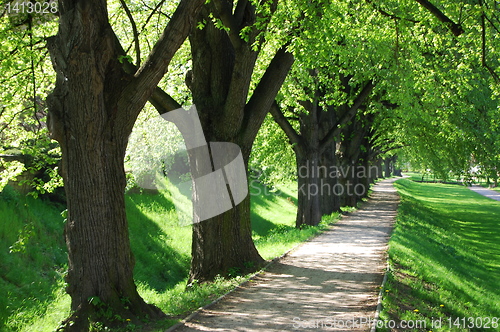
277	259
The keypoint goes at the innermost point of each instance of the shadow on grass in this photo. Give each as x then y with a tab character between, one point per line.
158	265
445	253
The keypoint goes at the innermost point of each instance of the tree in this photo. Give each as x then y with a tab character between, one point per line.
225	47
338	61
91	113
441	119
315	149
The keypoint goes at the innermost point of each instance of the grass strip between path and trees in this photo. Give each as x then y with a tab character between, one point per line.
444	257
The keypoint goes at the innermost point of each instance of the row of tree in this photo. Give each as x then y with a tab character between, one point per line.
347	82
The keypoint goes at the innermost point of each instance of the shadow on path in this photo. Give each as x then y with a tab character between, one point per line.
328	283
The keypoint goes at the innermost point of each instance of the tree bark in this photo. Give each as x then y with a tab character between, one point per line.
330	198
223	65
320	191
91	113
310	189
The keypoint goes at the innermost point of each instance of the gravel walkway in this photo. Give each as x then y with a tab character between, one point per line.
329	283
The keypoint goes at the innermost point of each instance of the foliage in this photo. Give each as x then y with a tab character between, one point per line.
272	160
27	79
444	110
155	147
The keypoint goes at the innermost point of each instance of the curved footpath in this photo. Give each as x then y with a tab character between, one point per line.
328	283
486	192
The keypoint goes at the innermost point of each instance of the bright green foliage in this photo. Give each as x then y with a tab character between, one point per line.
447	99
27	78
154	146
443	257
272	160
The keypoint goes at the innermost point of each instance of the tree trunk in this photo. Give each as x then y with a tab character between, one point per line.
309	196
92	111
100	275
93	143
223	65
387	167
330	200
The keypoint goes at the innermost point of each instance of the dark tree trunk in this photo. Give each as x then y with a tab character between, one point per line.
309	193
387	167
330	200
380	167
91	113
350	152
223	65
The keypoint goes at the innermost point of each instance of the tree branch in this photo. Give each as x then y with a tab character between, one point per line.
483	53
154	68
335	131
265	92
223	10
391	16
162	101
283	122
135	32
239	12
455	28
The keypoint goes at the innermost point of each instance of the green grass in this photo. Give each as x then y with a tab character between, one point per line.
444	257
33	259
31	275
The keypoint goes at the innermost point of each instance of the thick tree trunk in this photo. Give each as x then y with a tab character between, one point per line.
91	113
100	275
223	245
223	65
330	198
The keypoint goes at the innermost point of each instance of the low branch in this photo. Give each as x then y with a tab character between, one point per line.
265	93
163	102
22	158
285	125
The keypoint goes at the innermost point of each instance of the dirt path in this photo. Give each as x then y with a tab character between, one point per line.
329	283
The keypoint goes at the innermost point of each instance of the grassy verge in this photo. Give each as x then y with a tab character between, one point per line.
445	261
31	274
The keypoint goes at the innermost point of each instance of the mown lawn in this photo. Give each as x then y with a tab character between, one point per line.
444	260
